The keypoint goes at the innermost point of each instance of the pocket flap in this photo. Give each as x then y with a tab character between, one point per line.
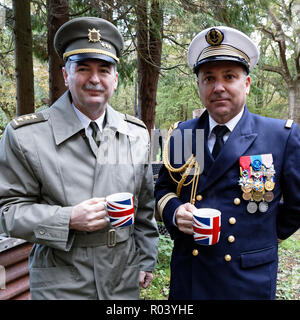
258	257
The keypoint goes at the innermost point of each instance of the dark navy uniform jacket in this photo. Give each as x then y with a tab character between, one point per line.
243	264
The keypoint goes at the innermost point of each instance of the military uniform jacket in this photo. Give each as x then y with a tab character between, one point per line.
243	264
48	164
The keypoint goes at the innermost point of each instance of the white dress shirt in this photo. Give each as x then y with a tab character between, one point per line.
86	121
230	125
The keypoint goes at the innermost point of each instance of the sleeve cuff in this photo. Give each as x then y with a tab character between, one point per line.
167	206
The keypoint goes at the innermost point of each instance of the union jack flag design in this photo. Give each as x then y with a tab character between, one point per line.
121	213
207	230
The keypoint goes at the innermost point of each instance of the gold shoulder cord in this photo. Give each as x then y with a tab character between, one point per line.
184	170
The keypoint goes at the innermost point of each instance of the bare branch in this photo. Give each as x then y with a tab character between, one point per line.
278	70
280	39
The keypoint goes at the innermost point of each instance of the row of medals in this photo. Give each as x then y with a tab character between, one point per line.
258	188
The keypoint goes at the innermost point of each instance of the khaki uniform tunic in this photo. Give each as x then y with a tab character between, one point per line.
48	164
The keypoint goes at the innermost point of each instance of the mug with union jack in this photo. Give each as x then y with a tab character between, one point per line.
206	226
120	209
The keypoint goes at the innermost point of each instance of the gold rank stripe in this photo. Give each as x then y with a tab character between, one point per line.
222	50
89	50
163	202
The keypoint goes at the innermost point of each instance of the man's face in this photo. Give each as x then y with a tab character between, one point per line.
223	88
91	83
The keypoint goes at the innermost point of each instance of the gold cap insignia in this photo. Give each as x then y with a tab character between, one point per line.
94	35
214	37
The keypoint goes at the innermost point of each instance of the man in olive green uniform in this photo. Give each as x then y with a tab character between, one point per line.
57	166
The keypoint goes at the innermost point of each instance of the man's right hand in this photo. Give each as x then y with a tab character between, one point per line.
184	218
89	215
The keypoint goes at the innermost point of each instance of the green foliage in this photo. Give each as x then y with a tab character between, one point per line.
123	99
177	94
288	278
159	287
177	97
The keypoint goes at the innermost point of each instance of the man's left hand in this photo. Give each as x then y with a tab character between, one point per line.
145	278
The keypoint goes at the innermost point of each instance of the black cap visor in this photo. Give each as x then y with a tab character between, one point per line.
94	56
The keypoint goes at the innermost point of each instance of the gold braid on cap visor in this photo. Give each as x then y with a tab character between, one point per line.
222	50
78	51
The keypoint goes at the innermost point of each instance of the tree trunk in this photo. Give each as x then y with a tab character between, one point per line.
23	57
58	14
294	101
149	44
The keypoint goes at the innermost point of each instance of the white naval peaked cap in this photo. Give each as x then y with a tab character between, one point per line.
222	43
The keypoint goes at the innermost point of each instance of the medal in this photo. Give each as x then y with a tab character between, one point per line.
252	207
263	207
257	196
257	181
269	196
258	186
256	162
269	185
269	173
246	196
247	188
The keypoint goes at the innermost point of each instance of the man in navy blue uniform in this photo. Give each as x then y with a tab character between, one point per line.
250	163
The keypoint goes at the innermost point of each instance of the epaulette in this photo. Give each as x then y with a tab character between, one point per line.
27	119
289	123
135	120
176	124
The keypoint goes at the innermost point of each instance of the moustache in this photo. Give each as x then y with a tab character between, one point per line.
96	87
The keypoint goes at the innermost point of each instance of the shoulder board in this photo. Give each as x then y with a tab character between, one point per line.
289	123
27	119
176	124
135	120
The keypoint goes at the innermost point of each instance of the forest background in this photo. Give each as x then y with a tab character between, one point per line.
156	84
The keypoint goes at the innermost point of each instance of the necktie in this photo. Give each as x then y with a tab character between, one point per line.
219	131
95	132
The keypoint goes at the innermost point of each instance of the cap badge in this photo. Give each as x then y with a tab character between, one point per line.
214	37
94	35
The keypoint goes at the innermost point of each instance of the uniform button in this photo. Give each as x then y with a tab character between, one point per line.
237	201
199	197
42	231
232	220
195	252
231	239
227	257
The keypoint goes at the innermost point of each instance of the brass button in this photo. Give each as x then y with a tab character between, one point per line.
232	220
199	197
231	239
195	252
227	257
237	201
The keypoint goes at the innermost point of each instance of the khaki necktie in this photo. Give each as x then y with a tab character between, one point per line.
95	132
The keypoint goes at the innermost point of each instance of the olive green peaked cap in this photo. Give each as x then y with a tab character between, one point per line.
88	38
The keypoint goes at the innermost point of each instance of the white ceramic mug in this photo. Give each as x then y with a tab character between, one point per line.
207	226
